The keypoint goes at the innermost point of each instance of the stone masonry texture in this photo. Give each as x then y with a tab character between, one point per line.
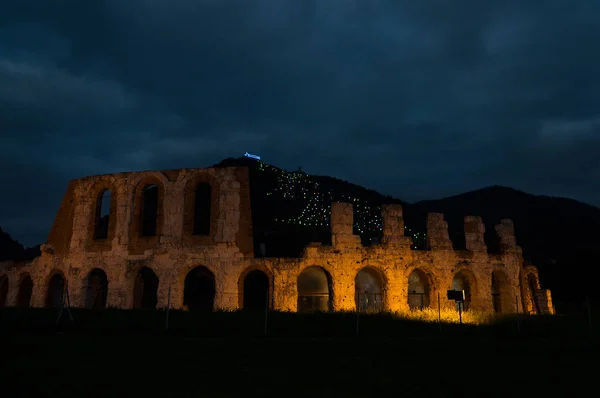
226	251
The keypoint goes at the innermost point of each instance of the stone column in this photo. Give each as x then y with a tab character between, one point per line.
343	293
474	234
38	295
342	220
437	232
170	291
396	294
13	290
125	199
506	234
285	292
393	227
544	299
78	290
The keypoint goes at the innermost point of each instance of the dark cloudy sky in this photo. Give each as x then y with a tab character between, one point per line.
418	99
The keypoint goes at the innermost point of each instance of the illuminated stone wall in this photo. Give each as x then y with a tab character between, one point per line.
494	282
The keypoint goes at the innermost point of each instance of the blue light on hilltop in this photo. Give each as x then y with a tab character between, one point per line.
249	155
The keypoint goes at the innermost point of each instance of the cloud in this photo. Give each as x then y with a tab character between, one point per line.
415	99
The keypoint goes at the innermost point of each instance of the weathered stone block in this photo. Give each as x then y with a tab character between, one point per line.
474	234
437	232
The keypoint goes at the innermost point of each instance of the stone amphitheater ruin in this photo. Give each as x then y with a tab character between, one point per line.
183	238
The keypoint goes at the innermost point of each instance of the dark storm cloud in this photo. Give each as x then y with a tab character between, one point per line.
419	99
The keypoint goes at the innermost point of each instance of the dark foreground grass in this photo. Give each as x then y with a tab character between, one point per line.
108	354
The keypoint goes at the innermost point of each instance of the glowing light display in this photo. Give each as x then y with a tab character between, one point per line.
249	155
299	186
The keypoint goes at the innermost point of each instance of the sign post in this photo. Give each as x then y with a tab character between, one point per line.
459	297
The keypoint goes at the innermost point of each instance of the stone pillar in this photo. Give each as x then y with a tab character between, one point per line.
342	220
38	295
474	234
78	290
227	301
120	293
125	199
169	292
506	234
544	299
343	293
437	232
172	212
13	290
227	294
229	218
396	294
393	227
285	292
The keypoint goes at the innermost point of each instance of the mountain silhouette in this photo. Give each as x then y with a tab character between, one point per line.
11	249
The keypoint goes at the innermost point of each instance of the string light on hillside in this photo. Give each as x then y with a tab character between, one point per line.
317	203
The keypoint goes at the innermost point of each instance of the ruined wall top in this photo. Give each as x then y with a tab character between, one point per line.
342	223
226	203
437	232
506	233
475	234
393	226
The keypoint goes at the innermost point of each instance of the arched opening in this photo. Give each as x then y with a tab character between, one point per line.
202	211
314	290
499	292
199	290
3	290
149	210
532	287
145	291
256	291
96	289
419	290
102	215
56	290
25	291
463	281
368	290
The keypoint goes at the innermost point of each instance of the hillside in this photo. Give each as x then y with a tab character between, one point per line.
10	249
291	209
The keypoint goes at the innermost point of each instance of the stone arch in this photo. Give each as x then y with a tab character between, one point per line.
25	291
148	208
315	290
533	285
369	289
420	289
96	289
199	289
201	206
530	284
255	289
56	289
103	214
500	288
3	290
145	289
464	279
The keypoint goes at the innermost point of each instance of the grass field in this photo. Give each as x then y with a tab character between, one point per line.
106	355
